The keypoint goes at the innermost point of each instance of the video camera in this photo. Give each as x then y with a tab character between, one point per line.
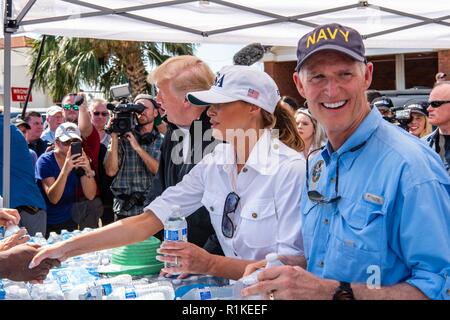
124	112
403	114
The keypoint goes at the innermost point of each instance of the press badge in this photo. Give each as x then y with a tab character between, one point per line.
373	198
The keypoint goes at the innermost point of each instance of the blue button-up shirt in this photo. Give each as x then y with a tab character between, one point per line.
392	222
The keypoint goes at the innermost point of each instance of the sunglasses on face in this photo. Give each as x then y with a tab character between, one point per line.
69	106
98	113
231	203
438	103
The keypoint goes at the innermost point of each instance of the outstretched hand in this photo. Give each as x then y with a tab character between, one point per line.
16	264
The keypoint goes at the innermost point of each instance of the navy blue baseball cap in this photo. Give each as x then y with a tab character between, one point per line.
330	37
417	106
382	103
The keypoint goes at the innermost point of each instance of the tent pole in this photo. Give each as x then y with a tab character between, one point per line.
30	87
7	108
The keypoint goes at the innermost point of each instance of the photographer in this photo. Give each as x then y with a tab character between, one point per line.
133	157
58	179
384	105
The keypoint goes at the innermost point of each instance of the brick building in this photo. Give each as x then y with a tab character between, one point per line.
393	69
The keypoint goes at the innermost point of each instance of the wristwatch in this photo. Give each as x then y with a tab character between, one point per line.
344	292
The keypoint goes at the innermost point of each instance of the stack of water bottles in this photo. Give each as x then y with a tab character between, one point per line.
77	278
232	291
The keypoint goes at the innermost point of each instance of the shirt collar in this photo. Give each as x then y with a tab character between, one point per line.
365	129
264	157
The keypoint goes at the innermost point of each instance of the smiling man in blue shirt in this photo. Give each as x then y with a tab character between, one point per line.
376	210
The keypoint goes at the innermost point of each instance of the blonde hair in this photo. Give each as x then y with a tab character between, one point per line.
283	120
319	132
428	128
186	73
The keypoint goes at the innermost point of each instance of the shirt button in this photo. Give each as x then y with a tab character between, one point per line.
275	146
332	179
321	264
254	215
326	221
244	170
211	208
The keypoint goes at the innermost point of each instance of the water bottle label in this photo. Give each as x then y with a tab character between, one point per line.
107	289
205	295
175	235
131	294
62	279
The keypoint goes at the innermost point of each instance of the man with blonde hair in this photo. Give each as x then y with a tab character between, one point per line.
187	138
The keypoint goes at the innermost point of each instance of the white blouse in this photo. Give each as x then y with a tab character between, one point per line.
270	184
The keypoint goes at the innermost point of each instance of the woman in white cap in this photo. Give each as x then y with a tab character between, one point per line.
310	131
250	184
58	179
419	125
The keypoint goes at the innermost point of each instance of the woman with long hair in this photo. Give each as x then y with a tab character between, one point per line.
309	130
419	125
251	185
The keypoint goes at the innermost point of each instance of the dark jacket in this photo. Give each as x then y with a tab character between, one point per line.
200	230
433	141
39	146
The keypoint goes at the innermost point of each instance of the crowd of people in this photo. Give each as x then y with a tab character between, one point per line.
338	188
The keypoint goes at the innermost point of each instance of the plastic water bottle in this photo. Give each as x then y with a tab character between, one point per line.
14	292
210	293
66	234
273	261
251	279
104	287
142	292
10	230
39	239
53	238
175	229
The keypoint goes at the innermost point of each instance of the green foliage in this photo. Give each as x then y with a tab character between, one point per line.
69	64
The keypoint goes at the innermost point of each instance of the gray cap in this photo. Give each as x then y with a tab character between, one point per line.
330	37
20	122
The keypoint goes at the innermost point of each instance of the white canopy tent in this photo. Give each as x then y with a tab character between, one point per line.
383	24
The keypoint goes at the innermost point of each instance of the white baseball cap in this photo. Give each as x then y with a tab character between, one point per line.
51	111
234	83
67	131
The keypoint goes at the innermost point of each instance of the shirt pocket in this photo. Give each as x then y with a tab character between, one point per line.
214	203
361	225
357	239
259	224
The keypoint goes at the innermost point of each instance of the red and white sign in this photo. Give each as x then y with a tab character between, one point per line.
20	94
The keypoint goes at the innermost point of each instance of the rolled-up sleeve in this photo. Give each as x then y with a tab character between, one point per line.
187	194
424	229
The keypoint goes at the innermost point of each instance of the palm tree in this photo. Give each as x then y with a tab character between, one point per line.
69	63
